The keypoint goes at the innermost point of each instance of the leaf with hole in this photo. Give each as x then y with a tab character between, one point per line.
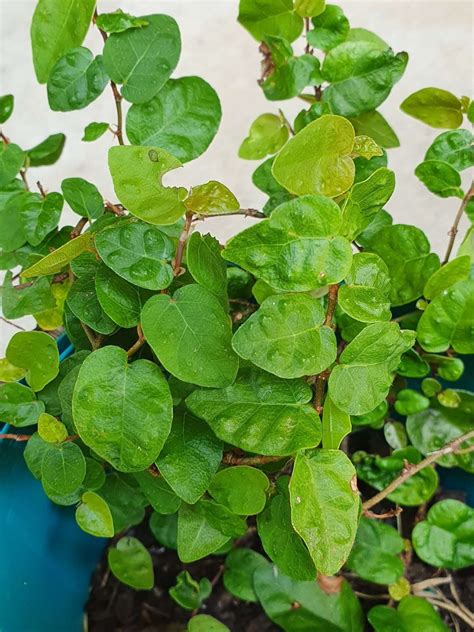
36	352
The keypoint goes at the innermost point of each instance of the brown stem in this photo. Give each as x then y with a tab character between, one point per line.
95	341
10	322
383	516
116	209
23	177
332	303
411	470
247	212
138	344
286	122
59	278
307	27
22	437
181	245
232	459
454	228
78	228
40	188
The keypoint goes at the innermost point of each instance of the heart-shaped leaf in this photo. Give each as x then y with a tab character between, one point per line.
131	563
36	352
94	517
267	135
242	489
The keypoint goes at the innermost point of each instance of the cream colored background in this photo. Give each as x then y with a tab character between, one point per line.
437	35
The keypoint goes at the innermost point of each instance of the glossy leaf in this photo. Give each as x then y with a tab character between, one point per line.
211	198
18	405
240	566
267	17
158	493
205	264
12	158
435	107
9	372
366	147
27	300
242	489
120	300
119	21
83	302
47	152
440	178
412	613
260	413
365	294
182	118
93	131
51	429
36	352
94	517
454	147
131	563
309	8
63	469
40	215
206	623
267	135
83	197
123	423
125	500
373	124
6	107
336	425
446	276
331	28
58	259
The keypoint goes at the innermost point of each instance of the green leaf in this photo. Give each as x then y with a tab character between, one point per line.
446	538
58	259
47	152
309	8
409	402
211	198
373	124
205	264
330	28
76	80
406	251
143	59
446	276
83	302
317	610
365	295
58	26
188	593
448	320
37	352
413	613
430	386
279	539
165	529
93	131
125	500
158	493
433	428
51	429
205	527
137	173
361	77
455	147
375	555
119	21
366	147
298	248
191	336
10	372
131	563
260	413
363	35
206	623
120	300
440	178
123	422
190	448
435	107
93	516
325	506
138	252
267	17
242	489
12	158
6	107
63	469
317	159
240	566
448	368
286	337
18	405
83	197
336	425
27	300
290	74
40	215
12	234
267	135
182	118
34	452
374	418
364	374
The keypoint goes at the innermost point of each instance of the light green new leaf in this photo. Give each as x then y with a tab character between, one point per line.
435	107
190	334
267	135
448	321
211	198
182	118
446	276
58	259
93	516
360	76
18	405
122	411
375	555
119	21
242	489
325	506
83	197
270	17
260	413
454	147
36	352
446	538
366	147
76	80
188	593
12	158
413	613
395	434
58	26
138	252
317	159
158	493
142	59
206	623
47	152
365	294
240	565
131	563
93	131
309	8
51	429
373	124
286	337
330	28
298	248
137	173
363	35
406	251
440	178
205	264
362	379
336	425
9	372
63	469
120	300
190	447
6	107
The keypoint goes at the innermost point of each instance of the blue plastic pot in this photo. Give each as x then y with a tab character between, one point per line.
46	561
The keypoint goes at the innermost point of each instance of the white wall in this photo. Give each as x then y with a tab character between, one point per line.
436	34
